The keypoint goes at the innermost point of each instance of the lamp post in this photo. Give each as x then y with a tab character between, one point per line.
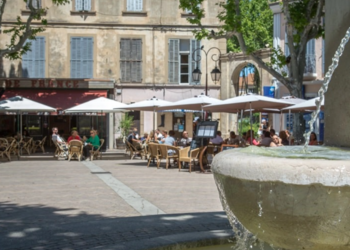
215	73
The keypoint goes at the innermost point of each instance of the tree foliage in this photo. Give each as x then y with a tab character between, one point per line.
23	30
242	24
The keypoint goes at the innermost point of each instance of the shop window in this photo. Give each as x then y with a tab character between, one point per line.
180	60
35	3
131	60
179	123
33	62
81	61
83	5
134	5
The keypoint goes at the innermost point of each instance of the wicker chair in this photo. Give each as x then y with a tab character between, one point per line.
164	152
5	148
75	149
27	144
185	155
39	144
133	151
153	153
96	153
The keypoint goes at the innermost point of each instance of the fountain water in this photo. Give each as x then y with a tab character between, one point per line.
290	198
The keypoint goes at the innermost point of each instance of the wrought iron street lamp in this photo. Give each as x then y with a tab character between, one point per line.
215	73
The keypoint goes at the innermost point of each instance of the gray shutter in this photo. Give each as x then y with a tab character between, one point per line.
35	3
136	60
90	57
124	59
87	5
33	62
74	61
195	44
173	61
78	5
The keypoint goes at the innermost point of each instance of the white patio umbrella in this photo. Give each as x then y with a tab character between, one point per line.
100	104
193	103
308	105
21	104
148	105
250	102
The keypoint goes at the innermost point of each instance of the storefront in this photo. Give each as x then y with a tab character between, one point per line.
60	94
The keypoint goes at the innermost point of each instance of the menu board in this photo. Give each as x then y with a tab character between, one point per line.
207	129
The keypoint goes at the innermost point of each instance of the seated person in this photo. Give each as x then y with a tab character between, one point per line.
266	140
170	140
144	137
233	140
218	139
56	138
251	141
74	136
92	142
159	135
284	138
275	142
185	140
152	137
164	136
313	139
133	140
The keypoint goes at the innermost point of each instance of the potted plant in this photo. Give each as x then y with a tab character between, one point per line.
125	124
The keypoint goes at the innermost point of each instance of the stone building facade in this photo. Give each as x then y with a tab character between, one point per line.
128	50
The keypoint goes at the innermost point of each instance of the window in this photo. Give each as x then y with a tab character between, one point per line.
134	5
35	3
33	62
81	57
131	60
180	61
310	57
83	5
188	11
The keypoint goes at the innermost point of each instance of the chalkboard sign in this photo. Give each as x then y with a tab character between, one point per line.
227	146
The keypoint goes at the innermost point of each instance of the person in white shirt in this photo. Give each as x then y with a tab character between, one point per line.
218	139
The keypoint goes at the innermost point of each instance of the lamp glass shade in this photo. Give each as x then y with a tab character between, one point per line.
215	74
196	75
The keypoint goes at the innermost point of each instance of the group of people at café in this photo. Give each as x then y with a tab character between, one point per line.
267	138
93	142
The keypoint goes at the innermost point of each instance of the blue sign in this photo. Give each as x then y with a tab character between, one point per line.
269	91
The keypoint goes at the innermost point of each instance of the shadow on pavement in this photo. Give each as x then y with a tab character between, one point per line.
43	227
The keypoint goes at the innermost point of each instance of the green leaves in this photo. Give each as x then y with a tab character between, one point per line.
24	30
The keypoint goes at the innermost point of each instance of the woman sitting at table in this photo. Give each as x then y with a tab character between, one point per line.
92	142
74	136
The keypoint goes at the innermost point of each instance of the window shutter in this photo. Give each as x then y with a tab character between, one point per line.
87	5
82	57
74	62
195	44
136	57
33	62
78	5
125	56
173	61
35	3
90	57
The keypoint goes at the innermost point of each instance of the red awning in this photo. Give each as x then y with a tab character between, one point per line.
59	99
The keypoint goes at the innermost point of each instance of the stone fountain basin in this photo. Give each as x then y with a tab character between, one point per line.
292	203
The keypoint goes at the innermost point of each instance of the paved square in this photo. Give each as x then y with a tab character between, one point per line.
50	204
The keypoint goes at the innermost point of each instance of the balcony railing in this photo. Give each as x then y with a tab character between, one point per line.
310	65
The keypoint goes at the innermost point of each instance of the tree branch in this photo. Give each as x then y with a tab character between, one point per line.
2	8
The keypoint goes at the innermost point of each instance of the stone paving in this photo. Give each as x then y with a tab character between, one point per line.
50	204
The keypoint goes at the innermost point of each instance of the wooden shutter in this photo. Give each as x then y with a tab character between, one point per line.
195	44
78	5
125	56
136	57
82	54
87	5
173	61
33	62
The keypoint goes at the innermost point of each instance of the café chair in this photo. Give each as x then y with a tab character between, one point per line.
94	153
39	144
75	149
153	153
133	151
185	155
5	148
164	152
